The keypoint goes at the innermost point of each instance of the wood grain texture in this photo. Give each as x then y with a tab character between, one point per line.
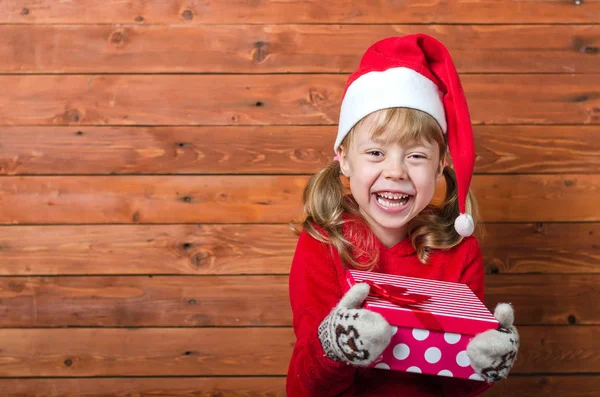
568	386
542	248
546	299
216	301
262	199
142	301
266	149
271	99
164	199
147	249
78	352
136	387
514	386
508	248
145	351
285	48
296	11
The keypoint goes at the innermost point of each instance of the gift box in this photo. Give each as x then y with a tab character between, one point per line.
433	322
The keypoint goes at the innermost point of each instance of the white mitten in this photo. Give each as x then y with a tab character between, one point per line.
493	352
355	336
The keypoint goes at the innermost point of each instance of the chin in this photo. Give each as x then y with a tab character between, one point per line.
389	221
391	224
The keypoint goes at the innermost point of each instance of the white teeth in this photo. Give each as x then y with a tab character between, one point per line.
392	196
387	203
385	197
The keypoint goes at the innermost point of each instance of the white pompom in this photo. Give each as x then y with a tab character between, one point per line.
464	225
504	314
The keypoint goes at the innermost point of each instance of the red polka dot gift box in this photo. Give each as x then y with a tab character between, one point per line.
433	321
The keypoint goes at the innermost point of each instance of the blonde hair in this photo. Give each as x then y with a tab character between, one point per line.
326	199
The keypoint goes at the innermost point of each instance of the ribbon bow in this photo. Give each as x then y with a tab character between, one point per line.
395	295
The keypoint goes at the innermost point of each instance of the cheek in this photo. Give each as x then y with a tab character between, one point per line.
425	182
361	181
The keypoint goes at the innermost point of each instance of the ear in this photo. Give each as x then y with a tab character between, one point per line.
343	159
440	171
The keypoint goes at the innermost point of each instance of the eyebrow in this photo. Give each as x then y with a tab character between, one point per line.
380	141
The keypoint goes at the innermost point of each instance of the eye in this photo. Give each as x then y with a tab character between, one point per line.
375	153
418	156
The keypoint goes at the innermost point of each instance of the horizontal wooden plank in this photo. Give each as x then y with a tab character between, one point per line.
164	199
262	199
76	352
542	248
515	386
129	387
266	149
145	352
271	99
537	198
142	301
285	48
147	249
546	299
258	249
248	301
528	386
313	11
536	149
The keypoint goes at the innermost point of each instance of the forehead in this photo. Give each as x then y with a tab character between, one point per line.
369	133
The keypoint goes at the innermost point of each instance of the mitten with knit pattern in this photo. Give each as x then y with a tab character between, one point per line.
493	352
352	335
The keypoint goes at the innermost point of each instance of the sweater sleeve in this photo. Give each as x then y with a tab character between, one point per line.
314	291
472	275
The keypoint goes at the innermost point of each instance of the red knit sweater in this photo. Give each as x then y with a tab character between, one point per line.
316	279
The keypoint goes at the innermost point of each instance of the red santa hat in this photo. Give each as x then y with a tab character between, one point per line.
415	71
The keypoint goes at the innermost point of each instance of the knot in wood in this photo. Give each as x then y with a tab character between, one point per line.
72	116
16	287
589	50
492	269
304	154
187	15
539	228
261	51
316	97
118	38
202	259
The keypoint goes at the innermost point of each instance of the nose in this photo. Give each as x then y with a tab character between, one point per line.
395	170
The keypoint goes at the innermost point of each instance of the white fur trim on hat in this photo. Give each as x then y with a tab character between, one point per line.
394	87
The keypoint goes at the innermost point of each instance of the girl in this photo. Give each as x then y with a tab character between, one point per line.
402	111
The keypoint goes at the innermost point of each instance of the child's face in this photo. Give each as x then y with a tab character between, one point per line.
391	183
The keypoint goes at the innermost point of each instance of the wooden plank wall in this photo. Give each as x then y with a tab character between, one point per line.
152	152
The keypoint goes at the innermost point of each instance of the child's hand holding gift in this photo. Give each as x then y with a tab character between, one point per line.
355	336
493	353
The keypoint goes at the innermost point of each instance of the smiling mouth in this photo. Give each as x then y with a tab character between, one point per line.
391	200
